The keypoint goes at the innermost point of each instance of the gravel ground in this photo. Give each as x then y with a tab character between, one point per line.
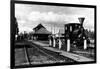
38	57
20	56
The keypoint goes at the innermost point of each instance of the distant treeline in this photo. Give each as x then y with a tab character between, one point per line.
89	33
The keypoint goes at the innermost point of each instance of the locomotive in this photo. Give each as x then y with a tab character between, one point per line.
76	33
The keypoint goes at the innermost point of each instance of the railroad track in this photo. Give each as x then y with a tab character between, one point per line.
36	48
42	51
30	50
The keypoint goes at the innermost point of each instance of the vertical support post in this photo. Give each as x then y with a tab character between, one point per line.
16	37
54	42
68	45
85	44
50	43
32	38
60	43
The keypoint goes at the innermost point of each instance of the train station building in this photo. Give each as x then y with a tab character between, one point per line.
41	33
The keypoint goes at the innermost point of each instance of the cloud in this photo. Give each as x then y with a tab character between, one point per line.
46	16
52	17
29	16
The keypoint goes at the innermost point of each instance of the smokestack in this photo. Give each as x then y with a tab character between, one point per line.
81	20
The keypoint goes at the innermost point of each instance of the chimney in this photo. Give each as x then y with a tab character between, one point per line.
81	20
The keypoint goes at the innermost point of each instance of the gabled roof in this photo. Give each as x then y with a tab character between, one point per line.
38	27
42	31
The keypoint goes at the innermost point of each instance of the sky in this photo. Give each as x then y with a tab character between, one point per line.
52	17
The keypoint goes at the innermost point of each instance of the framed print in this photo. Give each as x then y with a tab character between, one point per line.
52	34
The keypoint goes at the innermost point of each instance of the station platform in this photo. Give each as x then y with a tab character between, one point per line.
70	55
